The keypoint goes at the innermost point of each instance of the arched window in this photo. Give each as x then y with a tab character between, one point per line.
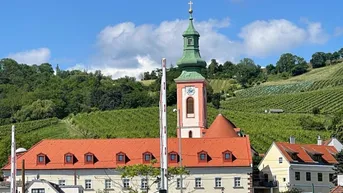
190	105
190	134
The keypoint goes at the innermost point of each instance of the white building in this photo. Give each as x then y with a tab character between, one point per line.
306	167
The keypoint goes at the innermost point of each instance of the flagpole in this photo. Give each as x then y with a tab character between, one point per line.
13	162
163	130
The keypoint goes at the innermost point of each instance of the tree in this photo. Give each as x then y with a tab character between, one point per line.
271	69
318	59
216	100
285	63
40	109
213	68
148	172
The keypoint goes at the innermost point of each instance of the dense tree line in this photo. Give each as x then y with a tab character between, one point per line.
247	73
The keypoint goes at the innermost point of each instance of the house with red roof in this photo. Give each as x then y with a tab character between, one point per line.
307	167
219	157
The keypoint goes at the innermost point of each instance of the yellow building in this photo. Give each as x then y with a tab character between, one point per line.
307	167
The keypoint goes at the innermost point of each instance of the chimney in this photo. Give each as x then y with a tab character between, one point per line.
319	141
292	140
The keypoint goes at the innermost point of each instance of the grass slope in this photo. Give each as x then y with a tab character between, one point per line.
328	100
262	128
316	79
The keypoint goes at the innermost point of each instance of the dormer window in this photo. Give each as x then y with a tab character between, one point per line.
147	157
173	157
227	156
121	157
41	159
68	158
202	156
89	158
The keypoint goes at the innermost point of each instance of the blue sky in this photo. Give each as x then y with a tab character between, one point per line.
128	37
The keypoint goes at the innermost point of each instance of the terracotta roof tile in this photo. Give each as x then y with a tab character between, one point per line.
337	189
304	151
105	151
221	127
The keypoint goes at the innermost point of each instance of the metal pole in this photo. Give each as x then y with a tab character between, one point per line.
23	176
13	162
180	148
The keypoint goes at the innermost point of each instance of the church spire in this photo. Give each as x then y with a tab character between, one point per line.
191	59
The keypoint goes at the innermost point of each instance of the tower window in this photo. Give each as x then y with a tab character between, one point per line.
190	134
190	41
190	105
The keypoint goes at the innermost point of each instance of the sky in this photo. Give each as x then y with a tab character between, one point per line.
128	37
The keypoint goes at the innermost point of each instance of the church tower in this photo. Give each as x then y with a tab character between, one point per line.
191	85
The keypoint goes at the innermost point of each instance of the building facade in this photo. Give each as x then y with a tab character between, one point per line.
307	167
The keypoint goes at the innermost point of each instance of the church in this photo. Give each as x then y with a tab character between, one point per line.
218	157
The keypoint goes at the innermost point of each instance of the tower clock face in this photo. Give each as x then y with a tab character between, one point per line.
190	90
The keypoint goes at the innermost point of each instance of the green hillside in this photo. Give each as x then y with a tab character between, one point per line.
29	133
328	100
320	78
144	122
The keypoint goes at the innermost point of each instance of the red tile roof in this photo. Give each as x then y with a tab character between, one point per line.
304	151
221	127
105	151
337	189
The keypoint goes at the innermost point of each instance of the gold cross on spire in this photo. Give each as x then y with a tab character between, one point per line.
190	5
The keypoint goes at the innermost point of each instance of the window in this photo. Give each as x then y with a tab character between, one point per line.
227	156
280	160
320	177
190	134
108	184
68	158
147	157
202	156
218	182
178	183
89	158
284	179
190	41
126	183
198	182
144	184
61	182
41	159
297	176
331	177
308	176
190	105
173	157
88	184
38	190
121	157
237	182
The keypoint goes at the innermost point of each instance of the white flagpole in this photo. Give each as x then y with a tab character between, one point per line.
13	162
164	140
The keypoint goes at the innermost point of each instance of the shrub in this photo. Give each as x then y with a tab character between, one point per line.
316	110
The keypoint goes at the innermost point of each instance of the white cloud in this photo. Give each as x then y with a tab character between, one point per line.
34	56
127	49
